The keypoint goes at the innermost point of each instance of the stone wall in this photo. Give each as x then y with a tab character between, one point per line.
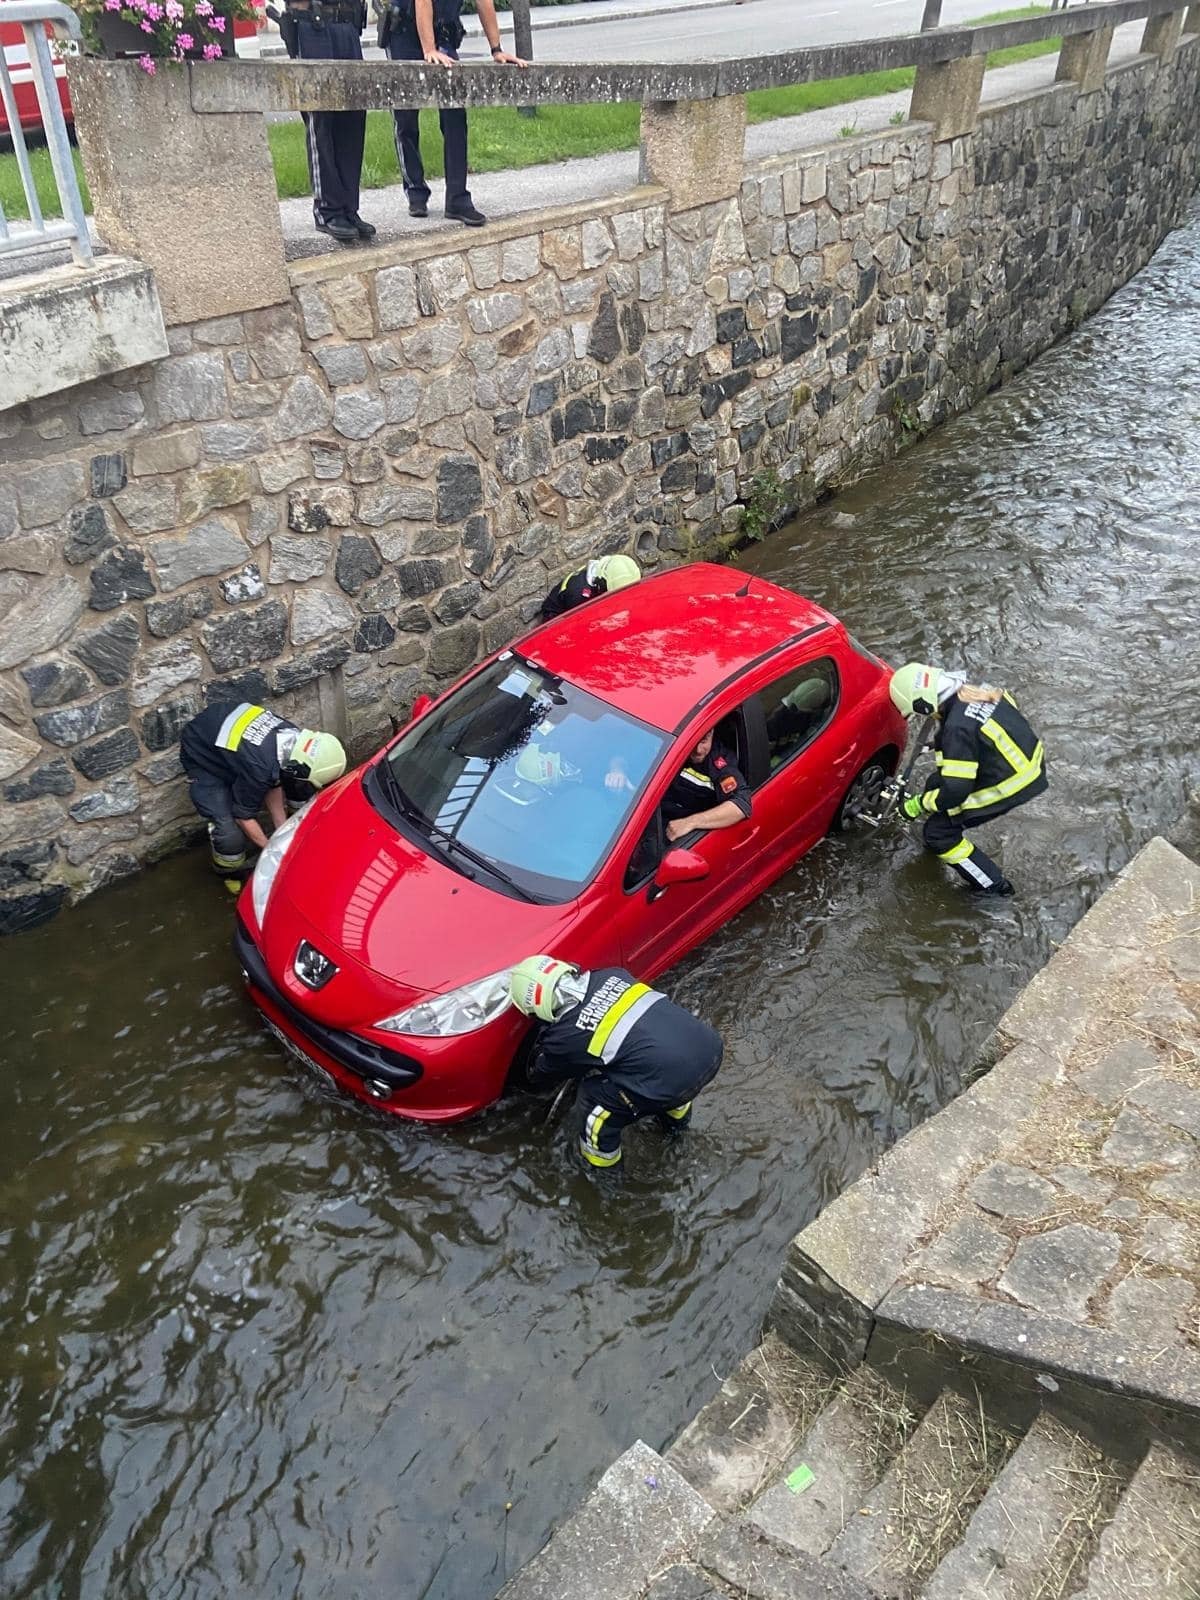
336	501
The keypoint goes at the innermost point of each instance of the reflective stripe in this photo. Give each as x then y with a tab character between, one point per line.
1029	770
957	852
679	1112
930	799
614	1026
693	776
959	769
589	1140
229	735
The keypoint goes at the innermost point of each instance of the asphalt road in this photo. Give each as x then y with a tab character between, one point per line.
757	27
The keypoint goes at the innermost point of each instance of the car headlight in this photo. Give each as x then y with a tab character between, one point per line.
461	1011
267	865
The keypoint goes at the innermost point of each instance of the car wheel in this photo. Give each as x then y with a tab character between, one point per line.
862	796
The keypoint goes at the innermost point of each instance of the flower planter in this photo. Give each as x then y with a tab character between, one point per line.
119	39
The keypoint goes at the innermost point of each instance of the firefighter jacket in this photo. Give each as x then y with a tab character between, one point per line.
701	786
641	1041
572	591
987	756
236	745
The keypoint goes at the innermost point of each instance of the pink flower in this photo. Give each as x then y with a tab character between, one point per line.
174	10
218	23
147	65
146	27
204	8
112	5
154	12
185	41
212	52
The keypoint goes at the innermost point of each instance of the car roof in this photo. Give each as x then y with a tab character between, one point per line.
657	648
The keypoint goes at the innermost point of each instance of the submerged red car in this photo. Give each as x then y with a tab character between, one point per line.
381	922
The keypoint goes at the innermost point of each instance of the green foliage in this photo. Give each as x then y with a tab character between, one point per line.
848	130
897	117
911	426
762	510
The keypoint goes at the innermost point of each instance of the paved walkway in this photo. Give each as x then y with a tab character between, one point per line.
506	194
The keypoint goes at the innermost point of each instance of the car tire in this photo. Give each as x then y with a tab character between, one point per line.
863	793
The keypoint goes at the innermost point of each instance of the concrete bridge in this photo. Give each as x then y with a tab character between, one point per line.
333	483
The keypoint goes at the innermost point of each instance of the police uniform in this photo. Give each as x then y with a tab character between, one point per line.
231	756
572	591
648	1056
702	785
331	30
403	43
988	761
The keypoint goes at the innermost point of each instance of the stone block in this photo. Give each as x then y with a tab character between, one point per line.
315	613
693	148
120	576
48	491
246	637
165	668
109	650
89	534
946	93
295	558
1083	59
42	612
1162	33
16	752
209	548
639	1513
149	507
106	756
65	326
193	197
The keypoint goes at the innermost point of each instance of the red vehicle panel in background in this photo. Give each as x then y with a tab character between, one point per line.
12	41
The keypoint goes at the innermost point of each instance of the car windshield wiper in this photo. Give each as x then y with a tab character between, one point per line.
480	860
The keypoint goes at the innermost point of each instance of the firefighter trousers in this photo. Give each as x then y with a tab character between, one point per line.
946	836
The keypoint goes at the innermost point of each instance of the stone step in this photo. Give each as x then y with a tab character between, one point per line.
1038	1525
733	1560
923	1503
1151	1548
844	1455
747	1431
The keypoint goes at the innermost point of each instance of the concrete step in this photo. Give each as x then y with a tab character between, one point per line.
844	1455
734	1559
1151	1548
922	1505
1039	1524
747	1431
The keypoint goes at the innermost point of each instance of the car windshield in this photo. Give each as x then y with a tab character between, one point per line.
523	775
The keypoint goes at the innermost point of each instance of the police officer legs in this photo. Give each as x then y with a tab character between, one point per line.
334	139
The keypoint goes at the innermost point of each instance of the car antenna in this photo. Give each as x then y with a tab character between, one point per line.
744	590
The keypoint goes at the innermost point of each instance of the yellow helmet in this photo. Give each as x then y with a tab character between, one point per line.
321	753
617	572
914	689
533	984
536	765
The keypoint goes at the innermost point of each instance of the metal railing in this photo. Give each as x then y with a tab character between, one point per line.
32	16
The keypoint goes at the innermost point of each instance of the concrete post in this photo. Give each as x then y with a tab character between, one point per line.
1191	23
1162	34
931	17
1083	59
947	94
191	196
695	148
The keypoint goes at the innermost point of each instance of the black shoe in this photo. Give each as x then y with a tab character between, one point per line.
339	228
1001	889
365	230
466	214
418	208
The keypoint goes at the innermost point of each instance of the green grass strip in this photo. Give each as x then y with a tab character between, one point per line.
500	139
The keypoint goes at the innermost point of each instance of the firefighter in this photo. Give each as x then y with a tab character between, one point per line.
636	1053
241	759
988	761
708	792
605	575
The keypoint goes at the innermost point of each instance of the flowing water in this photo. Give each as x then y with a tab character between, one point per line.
253	1341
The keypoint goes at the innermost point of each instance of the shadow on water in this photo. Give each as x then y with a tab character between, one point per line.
255	1341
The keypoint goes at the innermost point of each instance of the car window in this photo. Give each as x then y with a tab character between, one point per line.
526	771
648	852
797	707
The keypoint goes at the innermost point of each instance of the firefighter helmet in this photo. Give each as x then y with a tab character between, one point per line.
617	572
321	753
915	689
533	984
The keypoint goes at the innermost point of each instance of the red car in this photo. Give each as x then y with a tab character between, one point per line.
381	922
16	54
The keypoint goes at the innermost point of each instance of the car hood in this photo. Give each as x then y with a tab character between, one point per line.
366	891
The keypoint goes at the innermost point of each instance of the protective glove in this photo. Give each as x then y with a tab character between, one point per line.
912	807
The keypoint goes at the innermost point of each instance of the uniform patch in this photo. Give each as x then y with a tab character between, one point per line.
719	761
729	784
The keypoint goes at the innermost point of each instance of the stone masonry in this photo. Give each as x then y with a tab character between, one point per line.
335	502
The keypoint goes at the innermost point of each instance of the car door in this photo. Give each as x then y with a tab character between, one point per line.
657	926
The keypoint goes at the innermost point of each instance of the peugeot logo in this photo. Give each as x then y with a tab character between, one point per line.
311	967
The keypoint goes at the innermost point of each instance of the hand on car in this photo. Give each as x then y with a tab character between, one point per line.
439	58
616	778
677	828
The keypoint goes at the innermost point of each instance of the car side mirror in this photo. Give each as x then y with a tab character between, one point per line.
420	706
680	866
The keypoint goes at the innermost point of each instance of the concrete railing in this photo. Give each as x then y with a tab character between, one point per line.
32	16
181	175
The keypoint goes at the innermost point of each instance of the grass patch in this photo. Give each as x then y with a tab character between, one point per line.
501	140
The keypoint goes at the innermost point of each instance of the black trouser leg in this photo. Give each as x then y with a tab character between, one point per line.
408	154
604	1115
454	137
945	836
334	138
226	841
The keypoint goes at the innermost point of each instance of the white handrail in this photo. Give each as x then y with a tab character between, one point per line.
32	16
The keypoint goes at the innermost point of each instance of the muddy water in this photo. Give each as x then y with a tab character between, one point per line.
254	1342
